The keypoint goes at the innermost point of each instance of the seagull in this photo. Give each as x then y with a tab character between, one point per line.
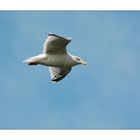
56	57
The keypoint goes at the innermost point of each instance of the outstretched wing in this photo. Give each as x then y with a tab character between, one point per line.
58	73
55	44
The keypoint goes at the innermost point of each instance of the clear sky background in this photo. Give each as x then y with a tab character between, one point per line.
104	94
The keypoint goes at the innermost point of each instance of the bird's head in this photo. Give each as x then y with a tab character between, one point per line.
78	60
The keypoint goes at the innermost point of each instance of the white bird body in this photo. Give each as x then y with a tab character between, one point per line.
52	60
56	57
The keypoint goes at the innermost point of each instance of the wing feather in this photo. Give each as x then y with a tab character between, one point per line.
55	44
58	73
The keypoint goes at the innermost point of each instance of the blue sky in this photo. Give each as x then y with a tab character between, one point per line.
104	94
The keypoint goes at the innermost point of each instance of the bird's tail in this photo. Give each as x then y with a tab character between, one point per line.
30	61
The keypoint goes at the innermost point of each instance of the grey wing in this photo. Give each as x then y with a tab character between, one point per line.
55	44
58	73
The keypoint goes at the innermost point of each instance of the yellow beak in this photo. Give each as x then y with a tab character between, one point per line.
83	62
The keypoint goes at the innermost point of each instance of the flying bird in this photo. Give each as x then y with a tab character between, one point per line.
55	56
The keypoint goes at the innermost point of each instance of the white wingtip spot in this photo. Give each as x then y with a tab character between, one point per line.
53	82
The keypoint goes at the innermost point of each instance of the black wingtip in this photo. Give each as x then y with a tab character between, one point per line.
55	80
52	34
49	34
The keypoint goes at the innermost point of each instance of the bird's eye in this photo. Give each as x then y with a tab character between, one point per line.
77	58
